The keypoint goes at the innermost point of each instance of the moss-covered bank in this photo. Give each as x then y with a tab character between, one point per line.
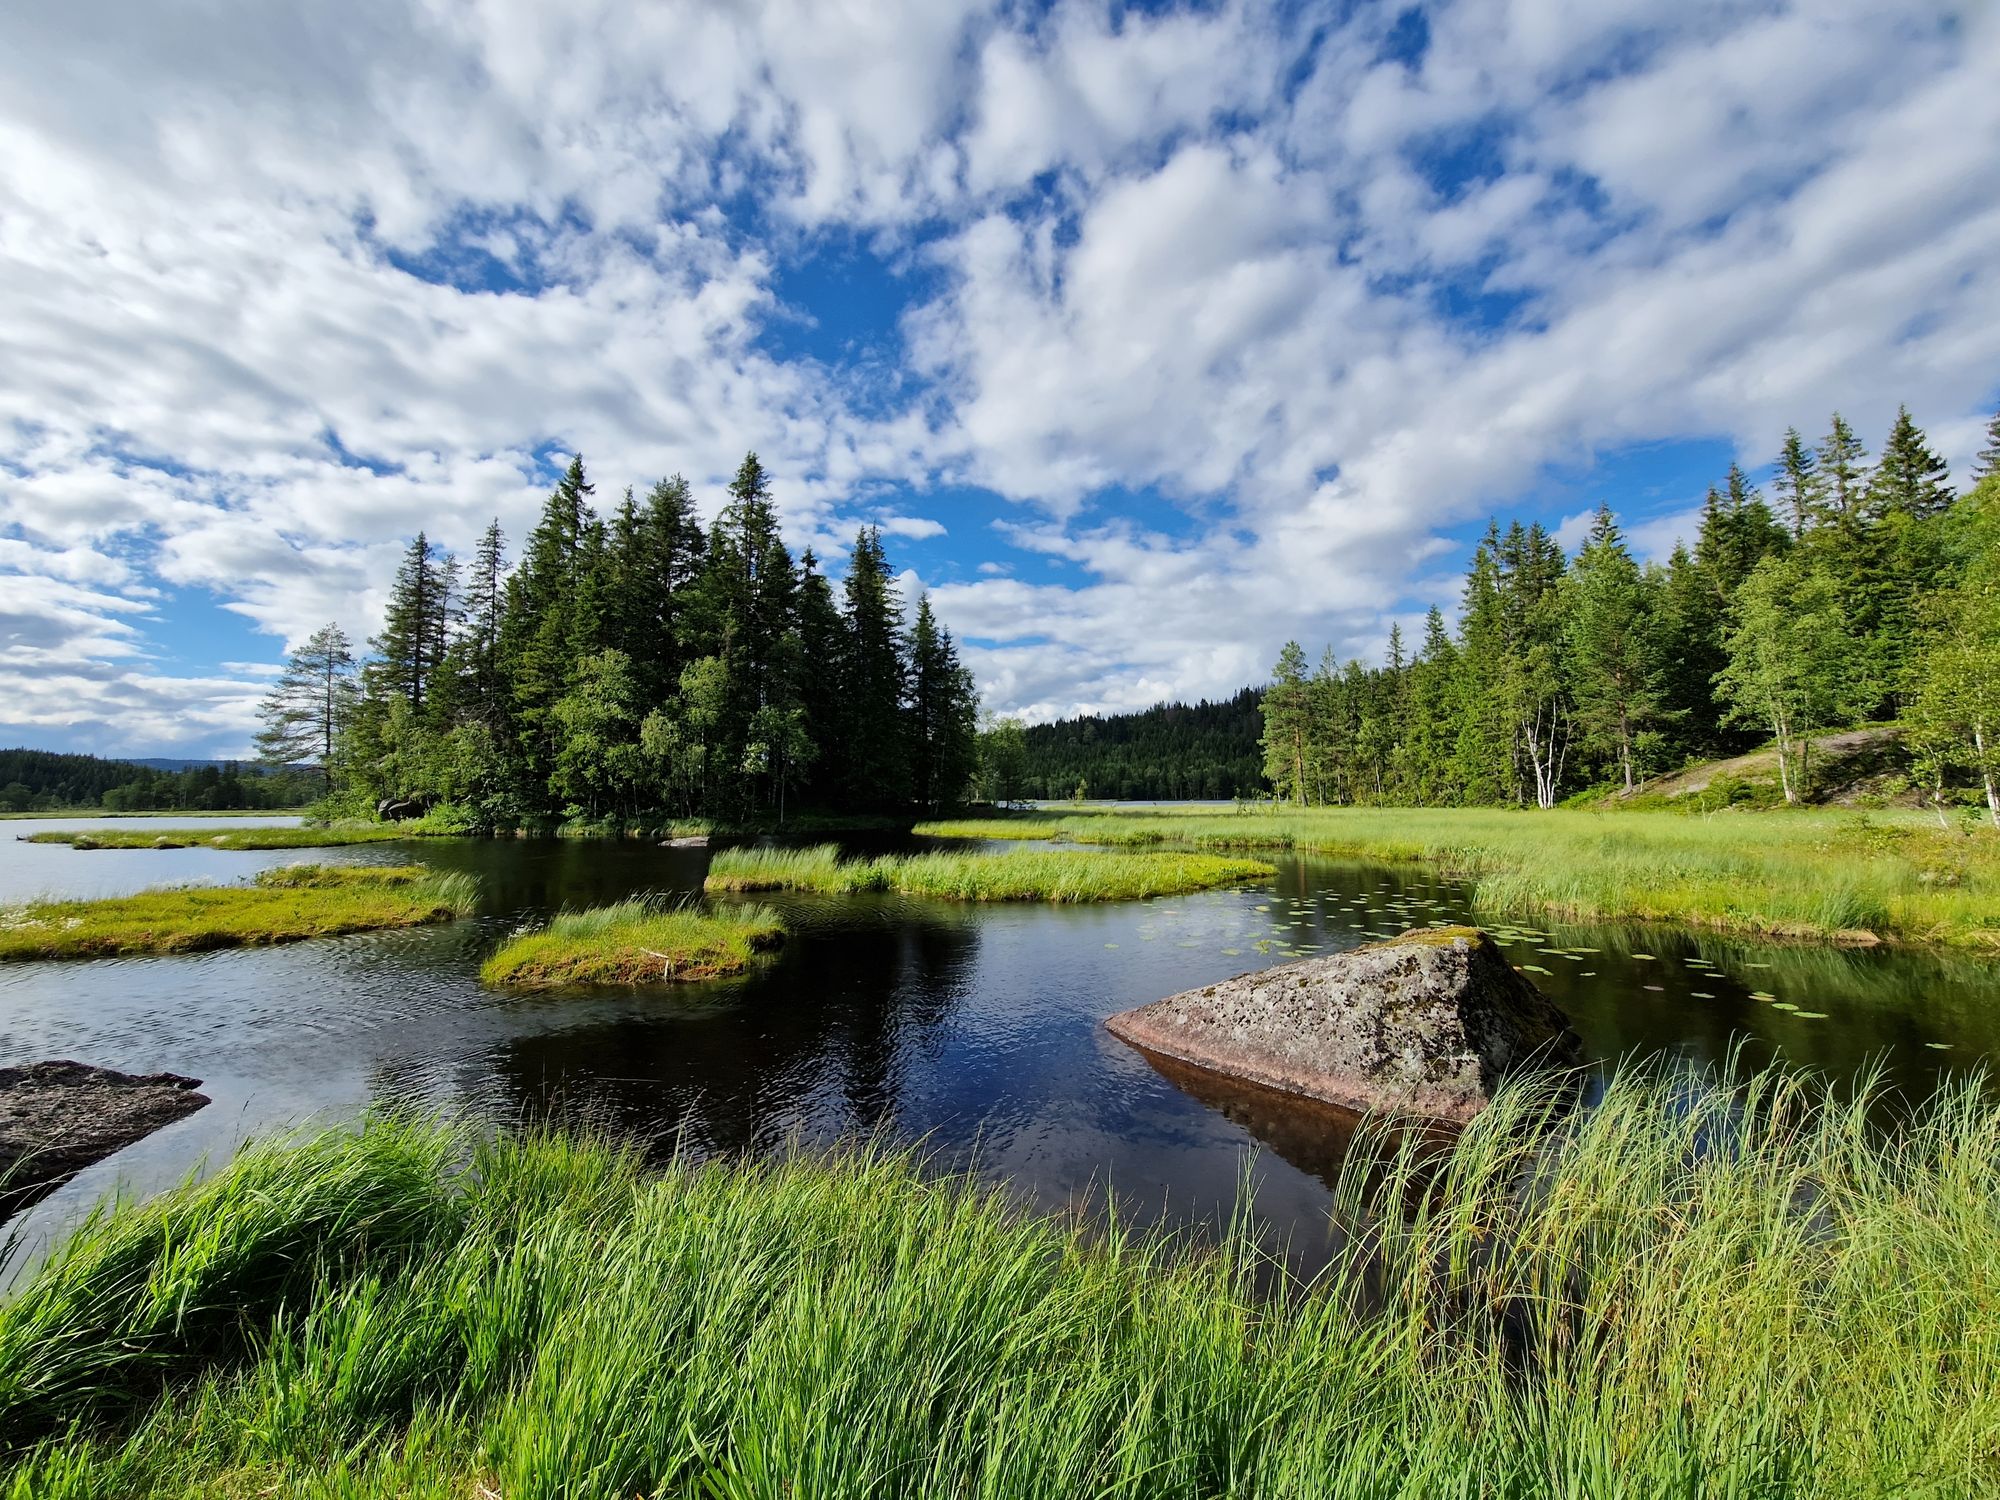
634	942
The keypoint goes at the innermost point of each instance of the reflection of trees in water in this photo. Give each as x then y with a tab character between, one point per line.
815	1045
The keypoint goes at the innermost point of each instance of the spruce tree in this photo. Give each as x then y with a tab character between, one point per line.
1909	478
423	604
873	677
1843	475
1610	651
541	624
1287	706
1987	462
1797	483
822	640
944	714
308	710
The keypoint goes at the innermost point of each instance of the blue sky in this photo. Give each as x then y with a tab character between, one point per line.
1153	335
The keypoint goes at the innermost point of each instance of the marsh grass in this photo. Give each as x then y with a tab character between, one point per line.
1058	875
635	942
1697	1289
1808	874
283	905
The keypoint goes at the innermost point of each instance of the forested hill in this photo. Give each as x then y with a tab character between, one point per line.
1171	750
47	780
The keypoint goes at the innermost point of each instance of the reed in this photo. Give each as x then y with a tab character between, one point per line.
1701	1287
1794	873
284	905
1057	875
634	942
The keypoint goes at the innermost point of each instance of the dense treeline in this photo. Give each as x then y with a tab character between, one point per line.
634	664
1172	751
48	781
1864	593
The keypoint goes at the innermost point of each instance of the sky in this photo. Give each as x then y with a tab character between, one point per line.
1151	335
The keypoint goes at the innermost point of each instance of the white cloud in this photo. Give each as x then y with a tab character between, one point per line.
1215	251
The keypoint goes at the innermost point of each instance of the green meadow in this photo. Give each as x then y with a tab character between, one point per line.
632	943
1058	875
283	905
1700	1288
1791	873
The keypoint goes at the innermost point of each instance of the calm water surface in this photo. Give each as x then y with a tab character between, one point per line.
976	1029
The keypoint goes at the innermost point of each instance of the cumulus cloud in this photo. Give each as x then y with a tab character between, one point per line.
285	287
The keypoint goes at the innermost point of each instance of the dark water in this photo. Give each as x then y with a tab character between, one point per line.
974	1028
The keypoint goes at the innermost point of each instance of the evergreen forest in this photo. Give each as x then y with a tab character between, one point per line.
631	665
1856	592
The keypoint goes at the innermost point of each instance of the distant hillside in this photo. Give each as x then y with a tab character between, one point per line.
52	781
1168	752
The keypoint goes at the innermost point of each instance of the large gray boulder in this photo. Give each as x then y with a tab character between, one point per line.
1425	1024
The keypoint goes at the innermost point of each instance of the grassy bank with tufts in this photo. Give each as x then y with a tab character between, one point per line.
1799	874
1693	1290
632	943
1059	875
285	905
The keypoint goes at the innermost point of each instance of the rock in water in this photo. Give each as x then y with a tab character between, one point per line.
56	1118
1426	1024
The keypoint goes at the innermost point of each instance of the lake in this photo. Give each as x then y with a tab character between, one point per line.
974	1029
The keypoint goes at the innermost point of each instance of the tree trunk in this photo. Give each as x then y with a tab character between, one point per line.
1784	756
1986	773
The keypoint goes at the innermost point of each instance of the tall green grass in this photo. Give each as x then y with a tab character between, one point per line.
1823	874
638	941
283	905
1693	1290
1058	875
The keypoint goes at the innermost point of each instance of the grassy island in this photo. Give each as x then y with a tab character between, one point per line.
285	905
313	836
1059	875
1794	873
1691	1290
634	942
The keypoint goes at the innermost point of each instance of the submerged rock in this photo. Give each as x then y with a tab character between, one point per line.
1427	1024
56	1118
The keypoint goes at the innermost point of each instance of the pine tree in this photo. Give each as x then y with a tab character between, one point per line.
308	710
822	644
1797	482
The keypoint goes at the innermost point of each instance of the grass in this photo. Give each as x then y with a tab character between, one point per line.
634	942
324	836
1058	875
1696	1289
285	905
1797	873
